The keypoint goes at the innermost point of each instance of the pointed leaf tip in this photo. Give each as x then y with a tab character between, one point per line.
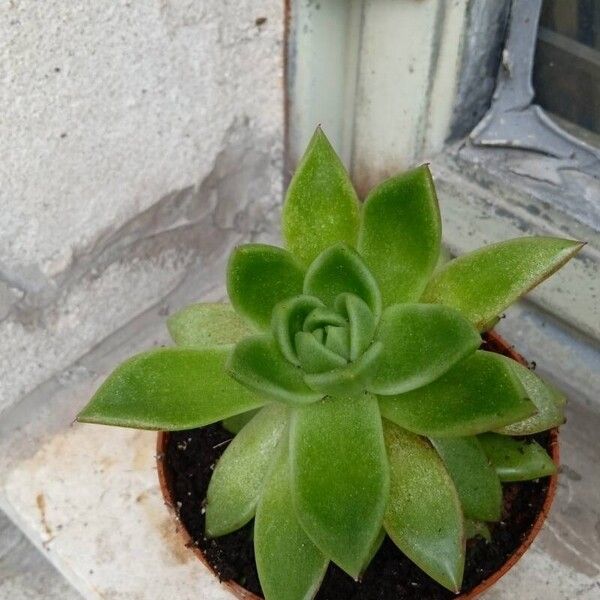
549	403
423	514
400	234
170	389
321	206
483	283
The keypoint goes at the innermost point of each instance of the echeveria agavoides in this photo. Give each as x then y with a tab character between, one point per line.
348	365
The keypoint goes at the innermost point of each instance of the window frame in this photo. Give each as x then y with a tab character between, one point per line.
515	122
533	177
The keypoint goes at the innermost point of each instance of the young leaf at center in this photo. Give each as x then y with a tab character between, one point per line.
361	322
340	270
340	476
349	379
288	319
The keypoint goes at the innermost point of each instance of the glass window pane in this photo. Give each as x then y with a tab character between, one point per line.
567	63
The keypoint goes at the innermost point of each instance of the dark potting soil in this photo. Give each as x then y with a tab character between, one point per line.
190	458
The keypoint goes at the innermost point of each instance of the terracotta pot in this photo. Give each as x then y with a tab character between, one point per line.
495	343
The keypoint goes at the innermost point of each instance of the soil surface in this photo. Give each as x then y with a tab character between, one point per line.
190	458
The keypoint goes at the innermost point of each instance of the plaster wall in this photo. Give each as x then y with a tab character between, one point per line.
123	125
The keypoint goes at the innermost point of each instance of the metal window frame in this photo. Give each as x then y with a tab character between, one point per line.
517	165
412	53
518	173
514	122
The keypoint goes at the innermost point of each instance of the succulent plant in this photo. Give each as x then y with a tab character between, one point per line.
349	366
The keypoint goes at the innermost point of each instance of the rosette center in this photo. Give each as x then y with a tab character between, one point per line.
319	338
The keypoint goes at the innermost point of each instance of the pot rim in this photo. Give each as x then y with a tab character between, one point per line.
243	594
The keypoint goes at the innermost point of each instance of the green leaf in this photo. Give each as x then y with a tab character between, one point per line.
400	234
475	479
340	476
319	335
348	380
362	323
549	402
258	278
516	460
423	515
238	478
257	363
484	283
314	356
170	389
338	341
236	423
206	326
420	343
321	206
445	257
290	566
475	529
288	319
338	270
374	550
478	394
321	318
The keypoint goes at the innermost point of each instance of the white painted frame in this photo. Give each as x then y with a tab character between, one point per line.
387	80
408	51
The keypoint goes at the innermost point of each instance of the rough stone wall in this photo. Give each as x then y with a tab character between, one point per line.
138	141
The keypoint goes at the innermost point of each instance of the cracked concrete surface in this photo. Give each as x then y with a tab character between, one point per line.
24	573
138	148
107	107
171	154
126	271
